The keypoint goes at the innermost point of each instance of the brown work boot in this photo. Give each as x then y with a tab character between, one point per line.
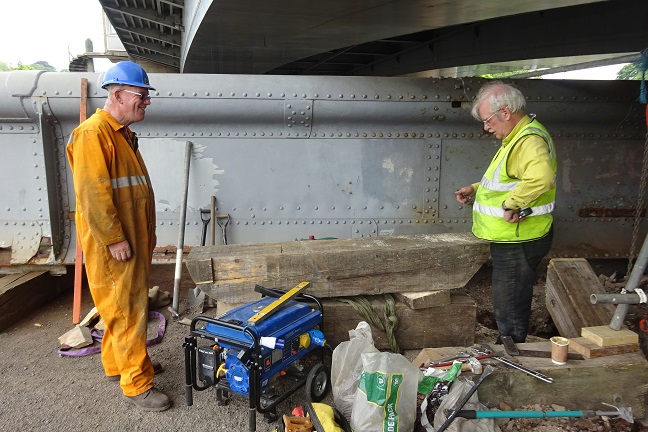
151	400
157	370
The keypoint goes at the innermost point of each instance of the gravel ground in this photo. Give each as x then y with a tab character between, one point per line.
45	391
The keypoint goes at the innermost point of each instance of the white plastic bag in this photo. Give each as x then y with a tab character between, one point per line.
346	367
386	396
458	391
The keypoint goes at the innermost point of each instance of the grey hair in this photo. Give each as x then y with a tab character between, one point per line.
497	94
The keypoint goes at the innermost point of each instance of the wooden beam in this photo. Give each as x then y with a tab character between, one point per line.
337	268
570	283
417	328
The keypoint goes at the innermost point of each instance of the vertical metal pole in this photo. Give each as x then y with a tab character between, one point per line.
181	230
633	282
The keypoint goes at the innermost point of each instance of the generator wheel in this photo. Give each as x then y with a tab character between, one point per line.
318	382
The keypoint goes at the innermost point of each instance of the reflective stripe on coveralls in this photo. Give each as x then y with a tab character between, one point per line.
495	186
128	181
115	202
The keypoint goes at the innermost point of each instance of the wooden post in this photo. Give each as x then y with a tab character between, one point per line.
78	259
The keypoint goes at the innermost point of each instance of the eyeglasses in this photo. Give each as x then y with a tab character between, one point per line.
491	116
144	97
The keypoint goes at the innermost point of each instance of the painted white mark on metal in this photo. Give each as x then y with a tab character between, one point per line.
388	164
165	161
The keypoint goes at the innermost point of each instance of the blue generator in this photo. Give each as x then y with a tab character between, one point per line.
254	346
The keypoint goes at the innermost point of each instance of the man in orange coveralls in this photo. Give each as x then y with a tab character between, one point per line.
115	221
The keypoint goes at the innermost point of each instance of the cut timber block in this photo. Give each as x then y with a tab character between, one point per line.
339	268
424	300
604	336
417	328
90	316
589	349
21	294
620	380
570	283
78	337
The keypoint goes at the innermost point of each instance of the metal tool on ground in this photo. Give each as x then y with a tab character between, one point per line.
487	371
443	362
624	413
195	300
459	355
212	240
512	350
223	220
542	377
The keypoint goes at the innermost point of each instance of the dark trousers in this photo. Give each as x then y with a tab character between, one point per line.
514	274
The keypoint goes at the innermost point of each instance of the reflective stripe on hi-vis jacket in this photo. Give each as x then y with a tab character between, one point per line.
495	186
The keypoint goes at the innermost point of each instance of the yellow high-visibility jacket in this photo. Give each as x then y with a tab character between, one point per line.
534	187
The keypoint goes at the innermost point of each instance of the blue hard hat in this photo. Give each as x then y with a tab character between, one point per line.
126	72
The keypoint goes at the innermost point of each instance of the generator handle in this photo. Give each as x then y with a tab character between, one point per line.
211	320
247	350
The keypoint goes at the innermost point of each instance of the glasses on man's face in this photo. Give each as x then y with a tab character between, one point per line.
142	96
491	116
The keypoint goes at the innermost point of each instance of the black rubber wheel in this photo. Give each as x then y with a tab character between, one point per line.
318	383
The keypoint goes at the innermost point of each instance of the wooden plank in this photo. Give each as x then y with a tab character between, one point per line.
578	385
417	328
591	350
570	283
424	300
20	294
343	267
604	336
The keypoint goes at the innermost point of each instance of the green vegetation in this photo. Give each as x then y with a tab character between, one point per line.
39	65
500	75
630	71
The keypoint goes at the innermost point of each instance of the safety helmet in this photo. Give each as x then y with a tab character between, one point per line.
126	72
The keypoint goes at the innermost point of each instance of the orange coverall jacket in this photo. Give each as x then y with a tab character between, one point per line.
115	202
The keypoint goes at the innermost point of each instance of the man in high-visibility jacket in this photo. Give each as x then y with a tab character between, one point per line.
513	203
115	222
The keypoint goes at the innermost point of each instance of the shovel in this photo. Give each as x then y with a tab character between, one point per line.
195	300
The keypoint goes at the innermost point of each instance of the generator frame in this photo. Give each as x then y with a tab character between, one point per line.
250	355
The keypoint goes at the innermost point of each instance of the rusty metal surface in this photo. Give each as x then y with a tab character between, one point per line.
610	213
